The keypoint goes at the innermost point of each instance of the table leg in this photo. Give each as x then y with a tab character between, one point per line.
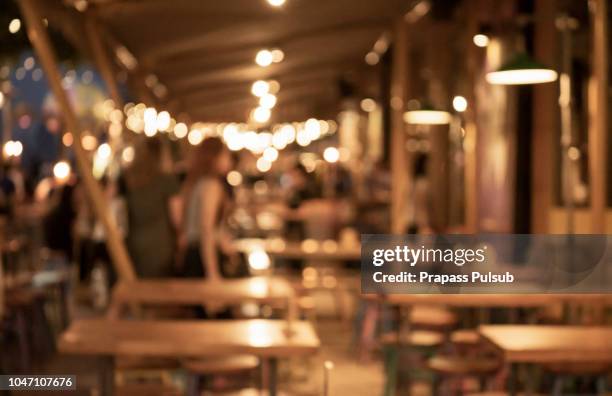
512	380
272	376
107	376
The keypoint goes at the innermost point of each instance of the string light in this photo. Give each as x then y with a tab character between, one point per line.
481	40
264	58
460	104
331	155
61	171
260	88
14	25
276	3
12	148
195	137
268	101
261	115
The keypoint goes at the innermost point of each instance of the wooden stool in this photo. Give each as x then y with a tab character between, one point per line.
502	393
459	365
146	389
306	305
423	340
598	371
418	338
431	317
198	368
465	338
242	392
143	374
463	366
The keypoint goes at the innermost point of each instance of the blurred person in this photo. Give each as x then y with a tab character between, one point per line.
418	210
302	186
103	274
153	212
58	214
207	197
8	192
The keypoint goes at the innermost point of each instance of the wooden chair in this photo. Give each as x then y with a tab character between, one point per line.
201	368
420	342
139	375
456	367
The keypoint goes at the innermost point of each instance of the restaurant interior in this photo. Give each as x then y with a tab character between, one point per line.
185	186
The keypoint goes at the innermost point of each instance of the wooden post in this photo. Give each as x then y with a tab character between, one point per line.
470	142
544	119
40	41
399	162
598	120
102	59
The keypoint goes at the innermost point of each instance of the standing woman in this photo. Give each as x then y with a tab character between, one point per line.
154	211
206	196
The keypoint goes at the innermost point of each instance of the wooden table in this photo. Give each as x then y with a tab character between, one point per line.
267	339
549	344
489	300
269	290
311	250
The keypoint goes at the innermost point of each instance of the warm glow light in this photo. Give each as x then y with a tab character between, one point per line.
313	128
481	40
270	154
67	139
259	333
89	142
372	58
277	55
12	148
276	3
460	104
263	165
289	133
163	121
260	88
303	139
195	137
150	129
1	100
14	26
261	115
180	130
259	260
368	105
279	140
234	178
264	58
310	245
127	155
150	115
427	117
268	101
331	155
104	150
61	170
521	76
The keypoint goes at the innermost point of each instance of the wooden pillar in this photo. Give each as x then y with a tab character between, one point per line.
470	142
545	97
399	162
598	120
40	41
102	59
